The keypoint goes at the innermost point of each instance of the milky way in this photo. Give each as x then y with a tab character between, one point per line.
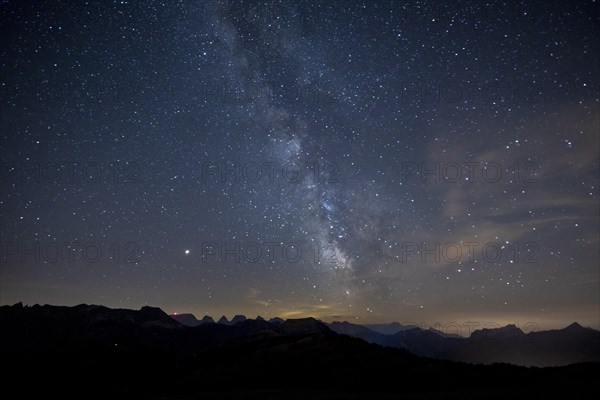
372	161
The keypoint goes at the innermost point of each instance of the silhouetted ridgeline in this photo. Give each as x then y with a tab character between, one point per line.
113	353
573	344
509	344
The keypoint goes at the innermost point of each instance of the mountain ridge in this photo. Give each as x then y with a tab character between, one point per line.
508	344
147	354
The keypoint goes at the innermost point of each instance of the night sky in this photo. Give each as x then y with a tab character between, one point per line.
365	161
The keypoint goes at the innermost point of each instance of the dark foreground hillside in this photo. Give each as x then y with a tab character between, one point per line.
96	352
559	347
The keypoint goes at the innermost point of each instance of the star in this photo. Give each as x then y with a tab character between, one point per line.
370	155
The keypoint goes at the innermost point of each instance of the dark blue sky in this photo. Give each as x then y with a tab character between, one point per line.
373	161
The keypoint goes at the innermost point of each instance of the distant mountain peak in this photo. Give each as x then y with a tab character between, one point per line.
207	319
238	318
223	320
511	328
259	318
150	308
507	331
575	326
153	312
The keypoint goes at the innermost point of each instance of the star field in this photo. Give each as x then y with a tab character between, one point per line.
373	161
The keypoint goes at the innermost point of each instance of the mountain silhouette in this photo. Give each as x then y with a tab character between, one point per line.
237	318
509	344
148	354
186	319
